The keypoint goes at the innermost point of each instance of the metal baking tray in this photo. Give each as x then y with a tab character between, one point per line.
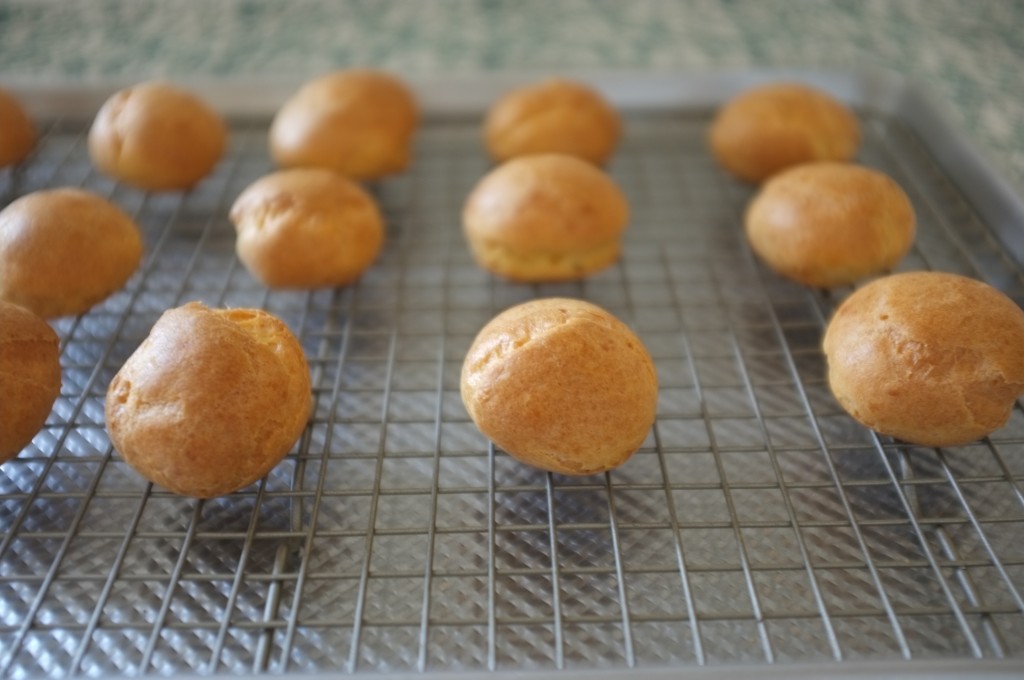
759	532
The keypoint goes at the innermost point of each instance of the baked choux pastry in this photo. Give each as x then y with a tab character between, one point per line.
211	400
830	224
547	217
64	250
156	136
29	377
562	385
306	228
772	127
17	134
552	116
358	122
926	357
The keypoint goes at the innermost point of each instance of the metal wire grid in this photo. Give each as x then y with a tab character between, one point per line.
757	523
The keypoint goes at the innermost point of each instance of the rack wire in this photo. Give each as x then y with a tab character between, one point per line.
758	523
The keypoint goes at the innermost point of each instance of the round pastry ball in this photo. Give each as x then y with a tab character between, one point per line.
930	358
306	228
64	250
547	217
211	400
29	376
156	136
769	128
829	224
17	134
357	122
552	116
562	385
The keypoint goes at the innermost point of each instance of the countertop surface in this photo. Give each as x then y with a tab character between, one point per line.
969	54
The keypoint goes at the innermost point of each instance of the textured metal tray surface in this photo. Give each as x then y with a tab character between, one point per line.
758	523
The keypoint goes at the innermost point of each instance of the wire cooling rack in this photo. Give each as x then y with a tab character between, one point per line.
757	524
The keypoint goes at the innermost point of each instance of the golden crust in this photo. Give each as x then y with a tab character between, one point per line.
306	228
527	266
357	122
769	128
562	385
552	116
211	400
829	224
18	135
930	358
545	218
29	376
156	136
64	250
